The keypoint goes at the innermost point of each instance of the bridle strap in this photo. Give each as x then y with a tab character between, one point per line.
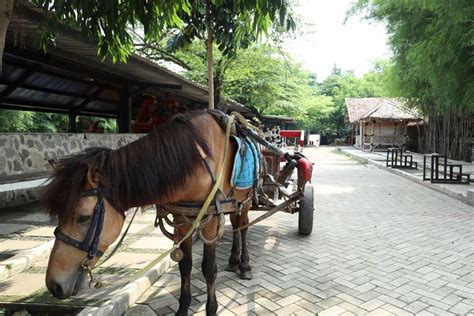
72	242
92	192
100	192
90	243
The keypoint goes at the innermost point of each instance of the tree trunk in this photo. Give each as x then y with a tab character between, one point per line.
210	59
217	89
218	77
6	11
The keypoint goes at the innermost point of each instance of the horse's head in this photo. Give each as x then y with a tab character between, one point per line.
88	223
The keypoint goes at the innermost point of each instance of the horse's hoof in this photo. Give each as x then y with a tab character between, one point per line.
246	275
232	268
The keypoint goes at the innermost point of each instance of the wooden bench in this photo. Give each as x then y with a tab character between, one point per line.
376	141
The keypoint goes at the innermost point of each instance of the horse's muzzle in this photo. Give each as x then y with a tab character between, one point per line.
57	290
63	290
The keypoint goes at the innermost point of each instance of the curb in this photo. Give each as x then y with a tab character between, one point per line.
22	261
131	292
469	199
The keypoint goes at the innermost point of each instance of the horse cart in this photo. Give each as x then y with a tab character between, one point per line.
287	189
285	182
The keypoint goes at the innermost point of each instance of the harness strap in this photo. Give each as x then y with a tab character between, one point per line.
208	167
205	160
192	209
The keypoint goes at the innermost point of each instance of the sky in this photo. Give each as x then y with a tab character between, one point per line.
326	40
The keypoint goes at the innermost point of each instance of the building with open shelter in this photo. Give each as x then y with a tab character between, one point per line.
381	122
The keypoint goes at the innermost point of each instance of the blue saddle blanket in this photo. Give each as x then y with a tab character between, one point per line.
247	165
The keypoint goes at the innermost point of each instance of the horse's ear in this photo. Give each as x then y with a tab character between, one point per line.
54	164
93	177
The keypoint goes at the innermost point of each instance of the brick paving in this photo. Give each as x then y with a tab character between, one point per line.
381	245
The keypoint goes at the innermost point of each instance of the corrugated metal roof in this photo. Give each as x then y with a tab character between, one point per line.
81	55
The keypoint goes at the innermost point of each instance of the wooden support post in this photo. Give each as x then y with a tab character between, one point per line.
125	110
72	122
352	135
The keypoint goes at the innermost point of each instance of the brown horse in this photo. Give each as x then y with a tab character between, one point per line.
90	192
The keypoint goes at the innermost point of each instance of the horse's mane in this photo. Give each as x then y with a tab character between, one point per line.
153	167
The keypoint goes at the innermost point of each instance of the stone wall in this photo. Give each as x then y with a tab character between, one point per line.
25	153
29	153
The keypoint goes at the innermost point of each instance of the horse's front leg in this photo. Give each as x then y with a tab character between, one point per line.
209	270
185	266
234	259
244	266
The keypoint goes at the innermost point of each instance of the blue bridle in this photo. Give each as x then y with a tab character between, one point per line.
90	243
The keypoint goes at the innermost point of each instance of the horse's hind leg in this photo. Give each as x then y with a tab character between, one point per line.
185	266
244	266
234	259
209	270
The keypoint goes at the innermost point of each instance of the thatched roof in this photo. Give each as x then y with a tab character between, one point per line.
363	109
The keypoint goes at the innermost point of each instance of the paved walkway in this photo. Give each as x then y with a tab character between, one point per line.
381	245
462	192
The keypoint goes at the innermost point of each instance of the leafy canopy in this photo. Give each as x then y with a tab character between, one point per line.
234	23
107	22
433	46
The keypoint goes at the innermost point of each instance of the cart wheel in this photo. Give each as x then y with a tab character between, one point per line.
305	214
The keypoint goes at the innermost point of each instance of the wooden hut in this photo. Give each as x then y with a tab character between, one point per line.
379	122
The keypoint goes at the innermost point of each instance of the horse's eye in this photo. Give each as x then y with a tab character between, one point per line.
83	219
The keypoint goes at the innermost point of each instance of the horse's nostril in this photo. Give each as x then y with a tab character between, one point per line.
57	290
